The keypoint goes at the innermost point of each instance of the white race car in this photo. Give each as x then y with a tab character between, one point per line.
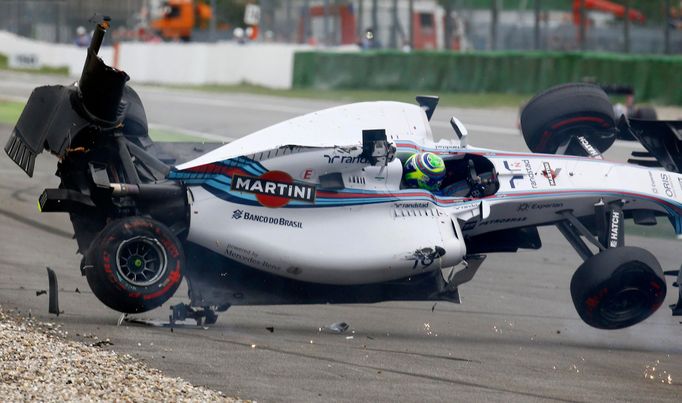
313	209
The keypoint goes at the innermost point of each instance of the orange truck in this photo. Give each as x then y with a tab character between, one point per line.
180	17
607	7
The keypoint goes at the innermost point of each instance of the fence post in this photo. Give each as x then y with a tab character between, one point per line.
495	5
583	27
375	19
666	29
288	30
536	28
410	20
359	27
393	41
447	31
306	21
212	21
325	24
626	28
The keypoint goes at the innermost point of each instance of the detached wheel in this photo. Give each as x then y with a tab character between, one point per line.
568	110
618	288
134	265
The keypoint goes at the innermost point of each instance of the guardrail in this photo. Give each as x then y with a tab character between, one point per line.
269	65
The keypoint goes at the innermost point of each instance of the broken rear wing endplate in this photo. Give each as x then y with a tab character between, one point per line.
47	122
661	138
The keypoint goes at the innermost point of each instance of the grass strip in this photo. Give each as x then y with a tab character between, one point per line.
11	110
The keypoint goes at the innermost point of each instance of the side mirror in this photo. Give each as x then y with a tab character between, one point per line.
460	131
376	148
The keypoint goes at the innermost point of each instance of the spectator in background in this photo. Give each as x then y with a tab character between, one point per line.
675	20
82	38
369	40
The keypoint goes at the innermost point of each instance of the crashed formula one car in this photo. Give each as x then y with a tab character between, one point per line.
313	210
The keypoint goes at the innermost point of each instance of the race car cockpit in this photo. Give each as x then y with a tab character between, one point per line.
469	175
466	175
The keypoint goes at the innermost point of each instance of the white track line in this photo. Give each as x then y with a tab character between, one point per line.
195	133
12	98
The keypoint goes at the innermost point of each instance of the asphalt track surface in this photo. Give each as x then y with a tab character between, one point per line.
516	337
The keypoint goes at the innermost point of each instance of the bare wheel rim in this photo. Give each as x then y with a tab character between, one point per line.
141	261
626	305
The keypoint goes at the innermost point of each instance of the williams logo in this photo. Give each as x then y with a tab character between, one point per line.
515	178
513	166
346	159
274	188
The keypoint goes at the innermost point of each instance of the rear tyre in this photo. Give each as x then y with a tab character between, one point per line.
618	288
577	109
134	265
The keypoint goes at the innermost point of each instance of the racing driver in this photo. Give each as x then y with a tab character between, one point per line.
424	170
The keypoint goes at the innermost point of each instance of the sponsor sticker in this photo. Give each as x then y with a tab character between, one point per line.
667	182
508	220
281	221
513	166
530	173
589	149
412	205
274	188
550	173
346	159
539	206
654	188
615	233
249	257
307	174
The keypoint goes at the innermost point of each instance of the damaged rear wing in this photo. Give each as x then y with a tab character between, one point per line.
662	140
48	122
54	115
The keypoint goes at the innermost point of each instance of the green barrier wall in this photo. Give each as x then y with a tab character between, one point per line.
655	78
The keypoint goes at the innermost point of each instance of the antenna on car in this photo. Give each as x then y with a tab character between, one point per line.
460	131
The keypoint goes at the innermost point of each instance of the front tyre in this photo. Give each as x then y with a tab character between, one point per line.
134	265
618	287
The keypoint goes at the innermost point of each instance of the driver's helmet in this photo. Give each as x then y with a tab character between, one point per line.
424	170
